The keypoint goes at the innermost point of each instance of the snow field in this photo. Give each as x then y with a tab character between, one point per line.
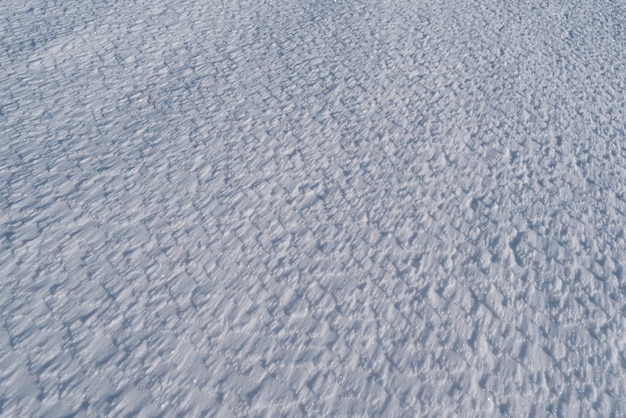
329	208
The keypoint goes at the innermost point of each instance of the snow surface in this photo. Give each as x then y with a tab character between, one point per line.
321	208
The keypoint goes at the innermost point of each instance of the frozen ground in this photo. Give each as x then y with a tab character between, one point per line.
290	207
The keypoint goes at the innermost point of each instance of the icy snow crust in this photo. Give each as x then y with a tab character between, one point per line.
322	208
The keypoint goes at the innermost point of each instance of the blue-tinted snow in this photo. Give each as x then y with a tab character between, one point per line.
290	207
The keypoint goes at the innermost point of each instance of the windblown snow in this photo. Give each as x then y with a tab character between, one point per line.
312	208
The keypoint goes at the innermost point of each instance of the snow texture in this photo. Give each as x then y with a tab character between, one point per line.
312	208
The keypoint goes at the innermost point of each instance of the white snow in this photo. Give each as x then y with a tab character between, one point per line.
319	208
